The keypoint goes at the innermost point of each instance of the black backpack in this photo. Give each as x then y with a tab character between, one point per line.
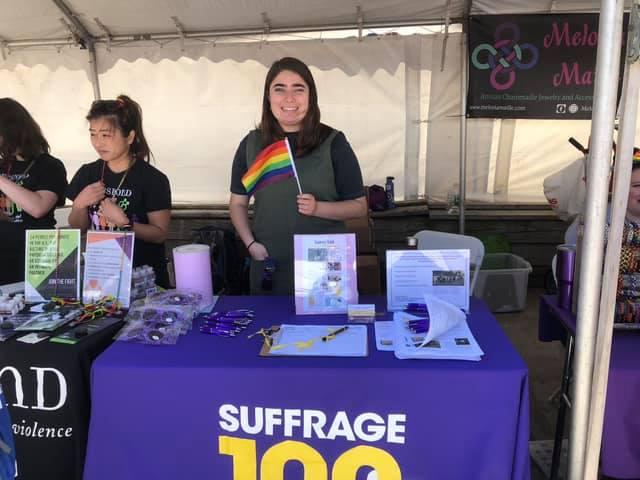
229	264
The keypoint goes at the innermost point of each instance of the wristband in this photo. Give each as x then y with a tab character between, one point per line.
250	243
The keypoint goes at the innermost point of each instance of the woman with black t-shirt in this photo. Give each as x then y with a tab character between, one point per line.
122	190
32	184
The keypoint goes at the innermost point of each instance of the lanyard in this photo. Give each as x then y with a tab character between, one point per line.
126	172
8	173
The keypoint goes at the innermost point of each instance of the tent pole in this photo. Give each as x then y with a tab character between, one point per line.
83	38
622	177
463	129
604	108
93	66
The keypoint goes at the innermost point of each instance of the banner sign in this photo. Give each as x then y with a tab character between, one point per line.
533	66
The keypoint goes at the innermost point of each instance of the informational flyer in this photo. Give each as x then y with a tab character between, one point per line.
326	280
107	266
413	273
52	264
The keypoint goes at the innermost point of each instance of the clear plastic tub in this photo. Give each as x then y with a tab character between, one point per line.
502	282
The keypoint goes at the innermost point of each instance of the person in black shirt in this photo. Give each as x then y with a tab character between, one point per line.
122	190
32	184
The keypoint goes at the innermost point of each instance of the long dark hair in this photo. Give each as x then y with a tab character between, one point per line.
126	115
312	132
19	133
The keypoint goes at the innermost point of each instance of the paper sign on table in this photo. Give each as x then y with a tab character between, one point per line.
442	273
107	266
326	280
52	264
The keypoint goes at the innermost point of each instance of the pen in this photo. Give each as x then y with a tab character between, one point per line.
333	334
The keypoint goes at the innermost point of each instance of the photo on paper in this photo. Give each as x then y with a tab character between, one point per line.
448	278
317	254
334	266
462	341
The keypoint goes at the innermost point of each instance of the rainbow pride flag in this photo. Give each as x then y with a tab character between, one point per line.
272	165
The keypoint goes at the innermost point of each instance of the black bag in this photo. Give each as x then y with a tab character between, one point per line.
229	264
377	198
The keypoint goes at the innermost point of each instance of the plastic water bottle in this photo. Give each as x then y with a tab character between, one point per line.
389	192
453	200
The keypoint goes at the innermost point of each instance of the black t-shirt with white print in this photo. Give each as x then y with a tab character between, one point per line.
43	173
144	189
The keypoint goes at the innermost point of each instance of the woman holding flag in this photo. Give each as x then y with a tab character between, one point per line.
303	175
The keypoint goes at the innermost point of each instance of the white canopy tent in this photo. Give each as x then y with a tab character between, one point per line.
197	69
200	96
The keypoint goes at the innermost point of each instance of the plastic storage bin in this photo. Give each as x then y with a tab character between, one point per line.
502	282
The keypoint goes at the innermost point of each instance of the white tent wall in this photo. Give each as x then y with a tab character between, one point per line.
55	88
200	102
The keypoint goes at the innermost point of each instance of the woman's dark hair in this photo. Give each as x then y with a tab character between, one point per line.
19	132
126	115
312	132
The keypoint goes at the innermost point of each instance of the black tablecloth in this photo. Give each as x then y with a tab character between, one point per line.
47	388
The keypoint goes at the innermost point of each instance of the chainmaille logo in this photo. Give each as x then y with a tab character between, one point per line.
504	56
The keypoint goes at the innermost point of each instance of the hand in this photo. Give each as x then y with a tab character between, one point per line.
258	251
307	204
114	215
90	195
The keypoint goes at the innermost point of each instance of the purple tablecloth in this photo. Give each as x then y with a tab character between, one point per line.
620	456
156	410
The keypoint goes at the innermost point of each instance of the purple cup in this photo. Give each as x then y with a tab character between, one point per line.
565	264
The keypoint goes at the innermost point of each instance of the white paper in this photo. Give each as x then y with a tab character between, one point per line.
384	336
456	343
306	340
441	273
442	317
108	266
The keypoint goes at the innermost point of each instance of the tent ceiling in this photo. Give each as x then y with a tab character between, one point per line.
40	19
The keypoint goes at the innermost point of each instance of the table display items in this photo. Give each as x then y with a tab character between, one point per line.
84	330
52	264
143	282
326	281
11	304
9	325
413	273
160	318
192	265
316	341
225	323
434	330
108	266
49	320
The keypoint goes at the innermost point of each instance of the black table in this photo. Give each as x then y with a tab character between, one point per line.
47	388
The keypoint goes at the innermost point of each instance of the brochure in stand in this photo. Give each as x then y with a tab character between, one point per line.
108	266
326	279
441	273
52	264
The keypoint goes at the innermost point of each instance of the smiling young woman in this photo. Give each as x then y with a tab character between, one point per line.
327	168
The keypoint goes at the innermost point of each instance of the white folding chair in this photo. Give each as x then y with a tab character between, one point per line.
430	239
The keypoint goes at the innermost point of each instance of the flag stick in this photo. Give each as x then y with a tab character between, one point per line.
293	164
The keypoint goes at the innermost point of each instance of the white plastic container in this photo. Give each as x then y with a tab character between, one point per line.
502	282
